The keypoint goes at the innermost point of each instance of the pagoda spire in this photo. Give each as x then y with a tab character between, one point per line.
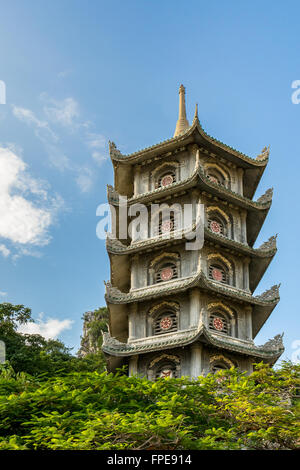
196	118
182	123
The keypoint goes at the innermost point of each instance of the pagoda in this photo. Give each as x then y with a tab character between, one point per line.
176	312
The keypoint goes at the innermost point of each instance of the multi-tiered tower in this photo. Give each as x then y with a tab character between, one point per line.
175	311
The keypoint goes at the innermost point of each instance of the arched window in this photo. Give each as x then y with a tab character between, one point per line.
164	267
166	369
219	322
166	272
219	365
215	176
168	224
163	366
165	322
166	219
217	224
166	178
218	272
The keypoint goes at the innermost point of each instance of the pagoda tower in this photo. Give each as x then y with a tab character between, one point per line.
175	311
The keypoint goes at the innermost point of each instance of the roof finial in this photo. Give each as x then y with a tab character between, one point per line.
182	123
196	112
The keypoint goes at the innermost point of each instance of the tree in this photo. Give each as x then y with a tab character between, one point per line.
92	410
33	353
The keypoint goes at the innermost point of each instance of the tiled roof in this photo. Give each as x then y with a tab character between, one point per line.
263	203
115	296
117	155
270	351
115	246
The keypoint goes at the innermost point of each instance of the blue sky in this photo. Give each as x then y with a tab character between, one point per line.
79	73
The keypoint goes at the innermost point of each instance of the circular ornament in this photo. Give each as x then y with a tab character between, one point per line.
167	226
166	274
215	226
218	324
166	180
217	274
166	323
166	373
213	179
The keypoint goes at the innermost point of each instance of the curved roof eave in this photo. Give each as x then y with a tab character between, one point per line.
114	347
166	145
262	204
116	247
267	299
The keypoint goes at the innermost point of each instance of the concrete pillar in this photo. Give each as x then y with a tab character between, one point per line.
195	201
236	228
132	322
248	318
143	320
133	365
196	360
233	325
240	174
246	273
136	182
151	274
195	307
243	227
149	331
134	271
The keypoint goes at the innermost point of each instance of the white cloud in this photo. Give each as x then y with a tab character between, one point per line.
42	129
58	158
49	329
64	112
4	250
96	140
85	180
46	135
64	73
26	210
99	157
3	294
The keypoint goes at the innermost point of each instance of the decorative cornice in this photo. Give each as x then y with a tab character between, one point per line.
269	351
132	158
266	250
262	204
115	296
115	246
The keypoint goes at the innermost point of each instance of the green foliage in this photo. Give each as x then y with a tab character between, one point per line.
50	399
12	315
33	353
95	323
96	410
